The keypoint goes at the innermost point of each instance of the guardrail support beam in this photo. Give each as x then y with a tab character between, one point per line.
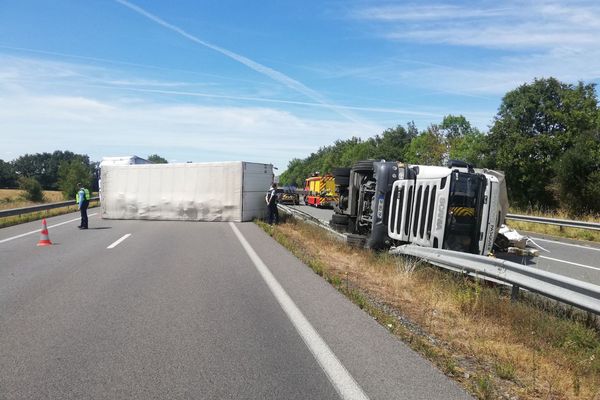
514	293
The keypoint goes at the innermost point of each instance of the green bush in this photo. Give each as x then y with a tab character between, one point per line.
32	188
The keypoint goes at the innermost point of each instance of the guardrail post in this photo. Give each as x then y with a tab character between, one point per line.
514	293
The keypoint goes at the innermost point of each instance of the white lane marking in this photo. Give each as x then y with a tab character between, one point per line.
570	262
568	244
338	375
115	244
38	230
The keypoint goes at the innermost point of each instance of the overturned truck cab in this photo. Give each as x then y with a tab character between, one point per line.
391	203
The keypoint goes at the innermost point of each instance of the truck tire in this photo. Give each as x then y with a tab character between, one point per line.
355	240
363	166
342	176
340	219
342	180
341	172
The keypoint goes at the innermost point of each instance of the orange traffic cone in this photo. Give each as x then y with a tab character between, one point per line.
44	239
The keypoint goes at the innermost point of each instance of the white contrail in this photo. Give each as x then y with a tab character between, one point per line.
398	111
263	69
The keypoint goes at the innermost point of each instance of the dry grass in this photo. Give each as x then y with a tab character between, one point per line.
13	198
571	233
472	331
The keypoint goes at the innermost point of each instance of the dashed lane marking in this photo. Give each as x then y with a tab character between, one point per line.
115	244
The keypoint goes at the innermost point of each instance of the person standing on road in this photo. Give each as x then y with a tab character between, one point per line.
83	201
271	199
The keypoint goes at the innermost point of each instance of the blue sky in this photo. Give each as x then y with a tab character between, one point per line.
268	81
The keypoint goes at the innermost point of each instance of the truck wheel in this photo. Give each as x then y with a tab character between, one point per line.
363	166
339	219
341	172
355	240
342	180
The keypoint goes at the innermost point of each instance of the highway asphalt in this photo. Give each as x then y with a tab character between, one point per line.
186	310
575	259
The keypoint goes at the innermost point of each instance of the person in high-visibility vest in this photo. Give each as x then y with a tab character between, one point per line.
271	199
83	201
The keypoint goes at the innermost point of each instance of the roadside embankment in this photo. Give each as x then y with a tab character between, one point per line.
470	329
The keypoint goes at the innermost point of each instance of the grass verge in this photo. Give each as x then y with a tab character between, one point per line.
494	348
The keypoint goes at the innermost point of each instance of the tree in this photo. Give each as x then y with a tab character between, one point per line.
535	124
427	148
156	159
33	166
44	166
70	173
578	175
8	176
455	126
463	141
393	143
293	175
468	147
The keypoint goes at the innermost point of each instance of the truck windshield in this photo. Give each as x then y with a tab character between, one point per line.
464	212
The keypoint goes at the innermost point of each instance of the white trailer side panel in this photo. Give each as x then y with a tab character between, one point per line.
189	192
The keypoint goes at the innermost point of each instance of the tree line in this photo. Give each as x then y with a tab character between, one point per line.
60	170
545	137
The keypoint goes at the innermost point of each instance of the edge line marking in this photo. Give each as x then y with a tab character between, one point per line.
568	244
38	230
570	262
338	375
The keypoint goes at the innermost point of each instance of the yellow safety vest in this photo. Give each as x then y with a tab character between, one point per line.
87	195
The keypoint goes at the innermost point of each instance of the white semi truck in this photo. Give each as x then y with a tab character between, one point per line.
382	204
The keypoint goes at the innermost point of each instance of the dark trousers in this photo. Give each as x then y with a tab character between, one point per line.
273	214
83	209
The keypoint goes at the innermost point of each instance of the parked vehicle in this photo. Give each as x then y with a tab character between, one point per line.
288	195
320	191
391	203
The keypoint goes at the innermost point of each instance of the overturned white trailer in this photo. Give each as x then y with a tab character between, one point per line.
219	191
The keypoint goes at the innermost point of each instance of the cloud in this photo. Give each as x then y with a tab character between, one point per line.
30	72
521	40
180	131
47	105
539	24
424	13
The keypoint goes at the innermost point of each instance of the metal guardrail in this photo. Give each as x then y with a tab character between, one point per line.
41	207
566	290
311	219
554	221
